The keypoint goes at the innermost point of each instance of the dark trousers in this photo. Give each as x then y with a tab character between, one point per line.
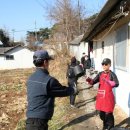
108	120
72	97
36	124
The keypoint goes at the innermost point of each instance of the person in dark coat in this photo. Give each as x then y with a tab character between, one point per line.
41	92
105	100
83	58
72	79
87	64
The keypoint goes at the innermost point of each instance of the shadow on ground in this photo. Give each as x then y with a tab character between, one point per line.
126	121
78	120
84	102
85	88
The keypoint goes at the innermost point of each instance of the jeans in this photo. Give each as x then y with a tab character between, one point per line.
36	124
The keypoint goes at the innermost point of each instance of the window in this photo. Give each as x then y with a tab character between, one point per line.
9	57
120	47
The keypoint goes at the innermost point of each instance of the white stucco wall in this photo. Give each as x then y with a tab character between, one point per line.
77	50
73	50
123	91
83	47
108	50
23	58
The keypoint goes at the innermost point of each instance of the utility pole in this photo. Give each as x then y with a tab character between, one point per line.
79	16
13	34
35	31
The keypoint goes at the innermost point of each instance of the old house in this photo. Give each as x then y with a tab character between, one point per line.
109	36
16	57
76	47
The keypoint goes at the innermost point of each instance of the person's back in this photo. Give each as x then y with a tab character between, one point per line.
83	58
41	92
87	63
39	102
72	80
70	72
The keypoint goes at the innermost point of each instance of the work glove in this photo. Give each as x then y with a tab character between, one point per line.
75	90
90	81
111	83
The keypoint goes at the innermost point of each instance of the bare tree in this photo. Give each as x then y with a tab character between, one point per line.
68	18
69	21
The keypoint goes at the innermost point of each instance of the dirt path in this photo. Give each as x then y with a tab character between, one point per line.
85	117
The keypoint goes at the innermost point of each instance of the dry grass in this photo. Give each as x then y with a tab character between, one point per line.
13	95
13	98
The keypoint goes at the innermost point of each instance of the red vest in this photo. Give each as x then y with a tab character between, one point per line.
105	100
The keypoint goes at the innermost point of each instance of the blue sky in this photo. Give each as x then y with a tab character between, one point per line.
20	15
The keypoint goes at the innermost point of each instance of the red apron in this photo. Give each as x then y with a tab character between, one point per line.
105	100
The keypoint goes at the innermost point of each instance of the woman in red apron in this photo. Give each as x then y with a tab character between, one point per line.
105	100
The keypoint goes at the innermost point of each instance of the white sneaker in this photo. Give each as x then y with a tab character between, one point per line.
73	106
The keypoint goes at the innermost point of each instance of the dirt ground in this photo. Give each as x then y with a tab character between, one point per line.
12	109
84	117
12	97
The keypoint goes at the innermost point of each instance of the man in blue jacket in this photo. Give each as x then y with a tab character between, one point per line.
41	92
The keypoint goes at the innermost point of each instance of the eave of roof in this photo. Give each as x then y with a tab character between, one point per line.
4	50
13	48
108	7
76	41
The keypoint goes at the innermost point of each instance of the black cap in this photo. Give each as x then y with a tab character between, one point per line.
41	54
106	61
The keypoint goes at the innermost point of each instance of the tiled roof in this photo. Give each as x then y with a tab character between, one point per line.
77	40
4	49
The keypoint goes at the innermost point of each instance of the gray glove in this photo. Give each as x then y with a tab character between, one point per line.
75	89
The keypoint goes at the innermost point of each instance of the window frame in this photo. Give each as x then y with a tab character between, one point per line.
9	57
121	43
